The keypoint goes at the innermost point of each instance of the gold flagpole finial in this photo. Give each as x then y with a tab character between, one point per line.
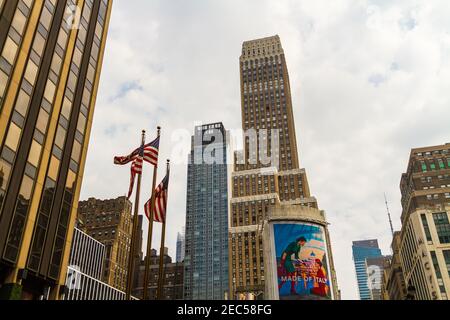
159	130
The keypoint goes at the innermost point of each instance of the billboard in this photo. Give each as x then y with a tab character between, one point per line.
302	268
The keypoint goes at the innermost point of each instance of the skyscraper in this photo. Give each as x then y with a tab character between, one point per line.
363	250
259	183
173	279
51	57
180	246
425	234
206	248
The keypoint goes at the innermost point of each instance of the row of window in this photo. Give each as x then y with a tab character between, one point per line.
13	42
50	183
17	123
434	164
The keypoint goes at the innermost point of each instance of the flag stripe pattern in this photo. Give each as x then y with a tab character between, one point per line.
161	193
148	153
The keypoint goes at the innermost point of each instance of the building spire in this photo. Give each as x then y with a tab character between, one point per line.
389	214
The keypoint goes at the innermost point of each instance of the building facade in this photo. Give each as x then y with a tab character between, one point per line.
393	279
173	278
206	237
83	280
259	183
50	63
111	223
425	233
362	250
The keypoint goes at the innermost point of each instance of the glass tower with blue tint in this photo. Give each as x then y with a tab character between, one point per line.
361	251
206	233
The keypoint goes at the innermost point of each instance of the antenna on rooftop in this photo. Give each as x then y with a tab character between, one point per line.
389	214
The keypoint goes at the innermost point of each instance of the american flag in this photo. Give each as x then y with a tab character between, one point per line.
148	153
161	193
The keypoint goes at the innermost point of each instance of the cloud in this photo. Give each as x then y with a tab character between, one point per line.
369	81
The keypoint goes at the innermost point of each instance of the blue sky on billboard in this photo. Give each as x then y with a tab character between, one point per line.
364	76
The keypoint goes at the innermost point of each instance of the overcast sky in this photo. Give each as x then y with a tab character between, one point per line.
370	80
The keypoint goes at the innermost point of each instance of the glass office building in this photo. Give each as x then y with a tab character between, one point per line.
206	235
363	250
51	54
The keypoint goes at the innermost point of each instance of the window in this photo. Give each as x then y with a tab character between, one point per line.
442	226
12	140
35	153
39	43
60	137
50	89
446	254
19	21
10	50
424	166
53	169
3	82
31	72
426	227
42	121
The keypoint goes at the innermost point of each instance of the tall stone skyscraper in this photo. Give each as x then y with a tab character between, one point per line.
51	54
111	222
206	235
258	184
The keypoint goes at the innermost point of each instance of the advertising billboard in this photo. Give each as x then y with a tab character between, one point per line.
302	267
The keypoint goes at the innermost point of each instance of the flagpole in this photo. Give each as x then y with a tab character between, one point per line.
131	257
150	233
161	253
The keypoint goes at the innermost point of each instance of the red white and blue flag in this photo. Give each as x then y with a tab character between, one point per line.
148	153
161	193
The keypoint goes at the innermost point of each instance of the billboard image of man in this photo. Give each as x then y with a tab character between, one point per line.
301	260
287	267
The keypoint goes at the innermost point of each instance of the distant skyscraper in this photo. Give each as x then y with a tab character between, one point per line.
425	234
363	250
180	246
258	184
49	76
173	280
206	253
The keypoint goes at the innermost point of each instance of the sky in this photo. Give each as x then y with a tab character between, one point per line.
369	81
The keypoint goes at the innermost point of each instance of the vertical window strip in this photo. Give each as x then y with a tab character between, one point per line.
27	184
47	109
70	190
14	41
